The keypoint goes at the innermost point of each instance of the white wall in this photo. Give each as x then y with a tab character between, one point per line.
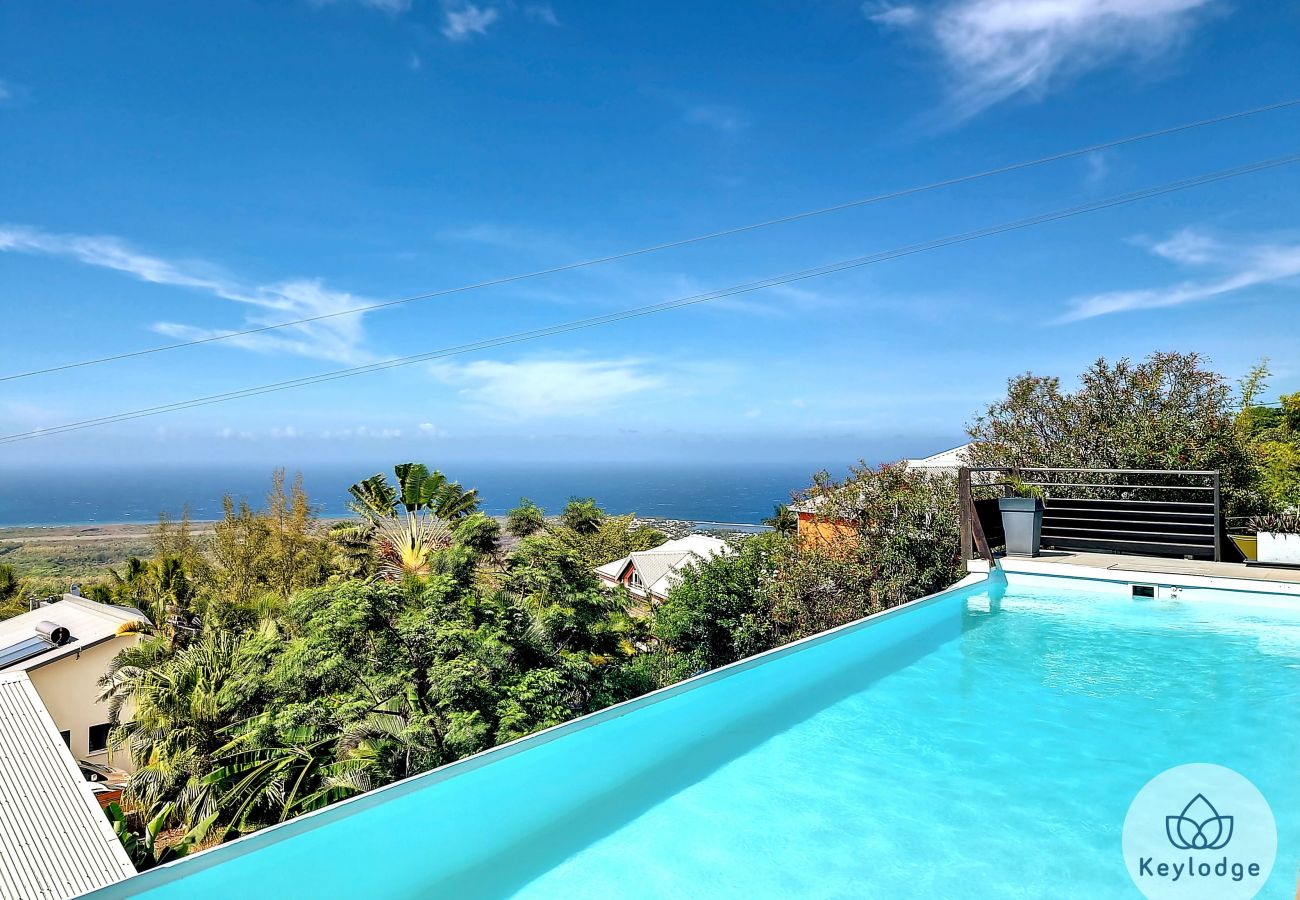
69	690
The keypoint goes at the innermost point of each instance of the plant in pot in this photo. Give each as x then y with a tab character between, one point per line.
1278	538
1022	519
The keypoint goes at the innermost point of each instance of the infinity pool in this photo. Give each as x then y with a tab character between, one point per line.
982	743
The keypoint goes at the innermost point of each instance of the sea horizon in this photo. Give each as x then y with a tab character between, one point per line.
62	496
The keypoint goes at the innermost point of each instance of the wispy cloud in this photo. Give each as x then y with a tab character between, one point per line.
392	7
506	237
13	94
338	338
541	12
719	117
1231	266
460	23
1098	168
549	388
997	49
893	16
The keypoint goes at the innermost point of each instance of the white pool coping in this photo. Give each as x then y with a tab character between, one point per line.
177	870
1140	570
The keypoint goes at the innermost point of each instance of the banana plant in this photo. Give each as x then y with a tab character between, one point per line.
268	772
143	847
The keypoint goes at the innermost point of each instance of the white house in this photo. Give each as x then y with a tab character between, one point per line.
947	460
651	573
64	646
55	841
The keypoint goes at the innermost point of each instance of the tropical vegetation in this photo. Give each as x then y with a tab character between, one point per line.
294	662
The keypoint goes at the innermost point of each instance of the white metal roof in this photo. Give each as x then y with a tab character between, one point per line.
947	460
953	458
659	568
55	841
87	621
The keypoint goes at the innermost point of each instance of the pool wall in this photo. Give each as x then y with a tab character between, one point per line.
447	826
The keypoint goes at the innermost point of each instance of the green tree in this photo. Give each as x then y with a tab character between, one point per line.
525	519
582	515
1169	411
718	612
12	602
181	702
611	538
480	533
1273	436
783	520
270	773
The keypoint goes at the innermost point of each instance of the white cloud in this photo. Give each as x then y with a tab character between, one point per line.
726	119
338	338
392	7
362	432
541	12
12	94
463	22
895	16
997	49
490	234
1188	246
1233	266
542	388
1098	168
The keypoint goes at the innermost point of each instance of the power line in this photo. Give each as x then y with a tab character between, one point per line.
636	312
667	245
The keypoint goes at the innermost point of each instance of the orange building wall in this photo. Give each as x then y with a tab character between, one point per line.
825	532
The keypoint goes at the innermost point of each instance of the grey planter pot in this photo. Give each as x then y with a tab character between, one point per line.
1022	520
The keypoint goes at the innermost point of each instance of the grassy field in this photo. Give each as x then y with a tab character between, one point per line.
51	559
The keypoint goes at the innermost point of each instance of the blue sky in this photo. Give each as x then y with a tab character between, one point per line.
171	171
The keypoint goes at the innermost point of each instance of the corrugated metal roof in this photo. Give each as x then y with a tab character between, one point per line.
87	621
652	566
55	841
655	567
953	458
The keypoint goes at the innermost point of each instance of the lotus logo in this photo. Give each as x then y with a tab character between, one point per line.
1199	826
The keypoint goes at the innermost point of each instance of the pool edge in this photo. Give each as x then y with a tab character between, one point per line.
179	869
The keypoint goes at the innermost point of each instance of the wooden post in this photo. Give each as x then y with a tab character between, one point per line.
966	509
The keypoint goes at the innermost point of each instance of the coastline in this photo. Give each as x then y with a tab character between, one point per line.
58	555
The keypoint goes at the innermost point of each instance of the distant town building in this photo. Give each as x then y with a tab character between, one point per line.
55	841
650	574
65	646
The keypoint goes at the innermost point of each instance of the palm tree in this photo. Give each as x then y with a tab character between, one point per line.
395	734
182	701
277	773
409	524
783	520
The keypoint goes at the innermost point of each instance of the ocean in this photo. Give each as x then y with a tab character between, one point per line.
71	495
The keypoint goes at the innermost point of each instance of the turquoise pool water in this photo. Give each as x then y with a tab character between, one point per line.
985	743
